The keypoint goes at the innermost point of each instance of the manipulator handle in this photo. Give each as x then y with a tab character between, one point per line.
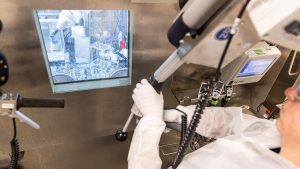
39	102
155	84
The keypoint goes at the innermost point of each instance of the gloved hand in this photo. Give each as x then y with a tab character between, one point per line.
147	101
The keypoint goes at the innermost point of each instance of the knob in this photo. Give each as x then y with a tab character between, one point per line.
120	135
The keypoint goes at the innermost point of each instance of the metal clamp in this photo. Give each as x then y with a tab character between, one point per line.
8	107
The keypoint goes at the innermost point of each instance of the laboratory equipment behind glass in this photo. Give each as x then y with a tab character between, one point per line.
85	49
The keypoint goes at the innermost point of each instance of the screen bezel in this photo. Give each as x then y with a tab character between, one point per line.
92	83
255	78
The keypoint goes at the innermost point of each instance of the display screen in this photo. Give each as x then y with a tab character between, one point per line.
85	46
255	67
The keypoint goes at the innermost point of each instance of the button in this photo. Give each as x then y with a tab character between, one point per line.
3	78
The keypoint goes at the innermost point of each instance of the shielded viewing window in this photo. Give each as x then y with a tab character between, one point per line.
85	49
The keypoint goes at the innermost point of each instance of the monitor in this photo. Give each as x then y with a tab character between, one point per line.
255	67
86	49
251	66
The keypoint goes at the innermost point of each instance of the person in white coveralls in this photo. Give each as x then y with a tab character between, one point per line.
243	141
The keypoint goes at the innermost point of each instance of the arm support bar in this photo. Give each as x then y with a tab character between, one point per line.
33	102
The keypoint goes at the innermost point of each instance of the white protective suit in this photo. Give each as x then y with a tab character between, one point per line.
243	142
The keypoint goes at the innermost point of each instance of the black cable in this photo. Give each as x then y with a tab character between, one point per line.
183	128
175	97
15	150
218	72
184	114
183	125
15	129
242	11
197	136
204	93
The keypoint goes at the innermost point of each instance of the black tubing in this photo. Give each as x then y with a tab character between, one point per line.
204	94
15	149
183	128
183	125
33	102
218	72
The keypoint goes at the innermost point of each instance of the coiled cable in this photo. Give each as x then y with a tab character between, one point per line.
204	93
15	149
183	127
197	137
183	124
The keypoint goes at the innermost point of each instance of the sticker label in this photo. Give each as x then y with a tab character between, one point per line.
259	51
7	106
223	33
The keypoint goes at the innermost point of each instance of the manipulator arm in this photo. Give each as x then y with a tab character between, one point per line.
10	103
194	18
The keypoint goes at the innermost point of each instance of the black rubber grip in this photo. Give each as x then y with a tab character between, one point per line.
157	86
34	102
177	31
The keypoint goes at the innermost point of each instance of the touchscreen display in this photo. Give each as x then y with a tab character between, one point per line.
255	67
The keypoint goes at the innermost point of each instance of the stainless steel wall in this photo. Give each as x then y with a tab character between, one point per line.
88	115
81	135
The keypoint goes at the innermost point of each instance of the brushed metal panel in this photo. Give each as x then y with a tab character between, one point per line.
210	47
87	114
80	135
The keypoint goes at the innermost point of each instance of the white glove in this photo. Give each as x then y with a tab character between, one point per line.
147	101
